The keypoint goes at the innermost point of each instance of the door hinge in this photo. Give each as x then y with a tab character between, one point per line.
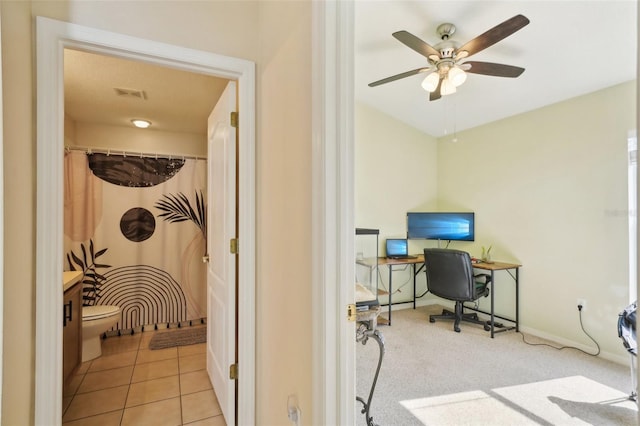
234	119
233	245
233	371
351	312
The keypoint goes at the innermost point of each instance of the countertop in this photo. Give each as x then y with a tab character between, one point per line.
69	278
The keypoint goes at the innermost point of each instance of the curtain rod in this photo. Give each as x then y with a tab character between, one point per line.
133	153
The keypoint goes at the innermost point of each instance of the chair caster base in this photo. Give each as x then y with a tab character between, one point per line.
460	317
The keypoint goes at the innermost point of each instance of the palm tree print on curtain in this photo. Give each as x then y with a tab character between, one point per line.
177	208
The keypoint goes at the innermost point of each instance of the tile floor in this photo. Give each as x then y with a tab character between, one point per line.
132	385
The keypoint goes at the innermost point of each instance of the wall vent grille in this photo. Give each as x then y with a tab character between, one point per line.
131	93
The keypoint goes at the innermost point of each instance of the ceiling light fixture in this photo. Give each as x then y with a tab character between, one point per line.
142	124
451	77
430	83
447	87
457	76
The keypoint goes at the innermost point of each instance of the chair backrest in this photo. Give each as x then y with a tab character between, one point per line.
449	274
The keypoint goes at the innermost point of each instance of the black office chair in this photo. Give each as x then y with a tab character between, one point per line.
450	276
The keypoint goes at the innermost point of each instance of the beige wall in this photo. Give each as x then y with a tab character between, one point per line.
19	200
69	131
549	189
395	172
276	35
284	212
120	138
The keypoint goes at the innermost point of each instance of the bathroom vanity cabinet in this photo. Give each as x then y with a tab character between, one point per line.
72	323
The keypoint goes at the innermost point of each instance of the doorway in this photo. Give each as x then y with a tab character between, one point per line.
53	37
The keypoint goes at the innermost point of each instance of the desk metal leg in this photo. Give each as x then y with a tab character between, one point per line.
414	286
415	274
517	300
493	288
363	333
390	291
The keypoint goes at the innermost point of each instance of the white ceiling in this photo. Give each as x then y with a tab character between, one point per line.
175	101
568	49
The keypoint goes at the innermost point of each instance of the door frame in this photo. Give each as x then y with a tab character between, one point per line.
52	37
1	227
333	230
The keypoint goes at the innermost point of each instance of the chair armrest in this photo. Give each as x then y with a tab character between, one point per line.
487	278
482	286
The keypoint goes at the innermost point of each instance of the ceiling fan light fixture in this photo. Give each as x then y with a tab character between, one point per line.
457	76
430	83
447	87
141	124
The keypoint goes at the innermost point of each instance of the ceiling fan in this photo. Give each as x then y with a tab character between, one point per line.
446	67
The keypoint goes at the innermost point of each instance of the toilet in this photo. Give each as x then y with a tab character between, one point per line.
95	321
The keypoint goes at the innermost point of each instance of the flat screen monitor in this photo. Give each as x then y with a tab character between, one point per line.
453	226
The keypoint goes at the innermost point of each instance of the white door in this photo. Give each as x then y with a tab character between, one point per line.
221	269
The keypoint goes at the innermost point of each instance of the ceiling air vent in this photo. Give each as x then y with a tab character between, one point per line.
131	93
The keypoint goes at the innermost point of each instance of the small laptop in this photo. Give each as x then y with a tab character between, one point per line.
398	248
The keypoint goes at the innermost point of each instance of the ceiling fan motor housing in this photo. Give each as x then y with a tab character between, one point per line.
444	66
446	51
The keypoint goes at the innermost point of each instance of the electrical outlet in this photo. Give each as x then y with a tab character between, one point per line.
583	303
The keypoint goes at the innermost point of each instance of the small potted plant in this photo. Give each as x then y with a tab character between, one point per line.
486	254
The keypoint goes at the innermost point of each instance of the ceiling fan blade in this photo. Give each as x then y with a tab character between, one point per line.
399	76
416	44
494	35
435	95
497	70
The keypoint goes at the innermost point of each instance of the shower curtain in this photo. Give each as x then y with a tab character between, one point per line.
137	228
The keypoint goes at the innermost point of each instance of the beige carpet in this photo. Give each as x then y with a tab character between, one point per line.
566	401
178	337
433	376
